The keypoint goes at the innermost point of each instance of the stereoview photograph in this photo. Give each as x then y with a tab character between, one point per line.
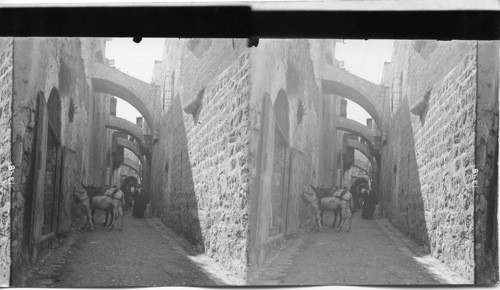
211	162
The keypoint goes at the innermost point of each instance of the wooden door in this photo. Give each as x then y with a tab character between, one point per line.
286	190
296	183
57	195
39	178
68	172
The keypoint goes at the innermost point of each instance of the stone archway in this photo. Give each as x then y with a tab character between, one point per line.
132	146
361	147
356	128
361	165
128	180
137	93
365	93
126	184
125	126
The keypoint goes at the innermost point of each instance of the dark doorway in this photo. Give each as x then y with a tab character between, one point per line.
52	165
280	173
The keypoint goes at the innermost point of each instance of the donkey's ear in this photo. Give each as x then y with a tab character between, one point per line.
84	186
312	186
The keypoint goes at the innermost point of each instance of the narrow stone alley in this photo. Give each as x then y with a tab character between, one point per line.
145	253
373	253
225	153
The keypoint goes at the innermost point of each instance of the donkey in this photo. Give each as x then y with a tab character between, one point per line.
117	201
90	203
338	201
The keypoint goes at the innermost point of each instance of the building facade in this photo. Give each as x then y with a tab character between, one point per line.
6	49
430	155
62	136
231	136
241	132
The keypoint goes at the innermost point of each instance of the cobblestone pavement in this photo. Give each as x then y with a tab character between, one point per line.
145	253
373	253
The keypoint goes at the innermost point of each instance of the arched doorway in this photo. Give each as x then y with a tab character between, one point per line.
52	165
279	187
126	184
47	178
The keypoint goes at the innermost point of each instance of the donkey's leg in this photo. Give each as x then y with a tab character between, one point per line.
90	218
110	210
106	219
335	214
115	217
318	220
122	215
349	213
343	216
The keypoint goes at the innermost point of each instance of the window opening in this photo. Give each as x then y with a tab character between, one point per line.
168	90
278	186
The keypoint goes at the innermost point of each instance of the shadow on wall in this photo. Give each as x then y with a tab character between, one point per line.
407	211
182	206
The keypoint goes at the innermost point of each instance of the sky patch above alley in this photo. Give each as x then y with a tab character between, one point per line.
362	58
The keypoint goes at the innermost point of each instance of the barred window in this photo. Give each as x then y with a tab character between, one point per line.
167	95
397	85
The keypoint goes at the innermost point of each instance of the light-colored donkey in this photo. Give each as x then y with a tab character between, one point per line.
331	199
109	199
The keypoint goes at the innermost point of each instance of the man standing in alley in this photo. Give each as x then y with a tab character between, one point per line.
369	202
140	203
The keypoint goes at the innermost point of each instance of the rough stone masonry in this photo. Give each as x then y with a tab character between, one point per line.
206	192
5	156
428	163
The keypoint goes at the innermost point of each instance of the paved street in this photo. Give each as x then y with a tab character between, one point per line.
145	253
373	253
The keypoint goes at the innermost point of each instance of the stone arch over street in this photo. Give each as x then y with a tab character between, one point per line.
125	126
232	180
351	126
132	165
130	179
361	147
139	94
132	146
361	165
363	92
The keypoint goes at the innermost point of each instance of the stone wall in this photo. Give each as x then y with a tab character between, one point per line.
98	142
5	156
207	60
486	156
40	66
99	105
428	161
284	67
200	171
